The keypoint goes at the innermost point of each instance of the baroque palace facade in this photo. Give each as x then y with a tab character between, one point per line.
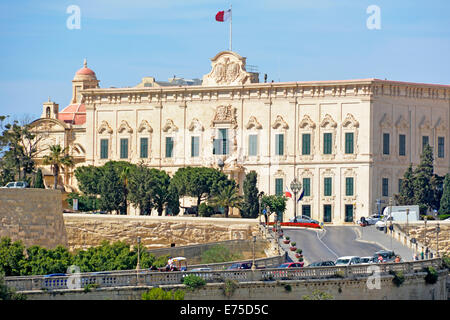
348	142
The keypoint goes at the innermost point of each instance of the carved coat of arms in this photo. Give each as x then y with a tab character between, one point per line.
228	68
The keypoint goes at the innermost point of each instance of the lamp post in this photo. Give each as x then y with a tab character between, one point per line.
221	164
295	187
391	228
407	222
425	236
253	264
437	239
138	266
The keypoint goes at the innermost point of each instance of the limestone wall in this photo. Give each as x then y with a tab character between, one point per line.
87	230
33	216
426	237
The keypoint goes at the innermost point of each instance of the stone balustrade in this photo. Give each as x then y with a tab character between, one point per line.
155	278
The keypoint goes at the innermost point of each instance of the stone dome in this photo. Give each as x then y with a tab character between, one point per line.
85	73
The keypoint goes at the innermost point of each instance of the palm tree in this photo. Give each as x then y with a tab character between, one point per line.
227	197
58	158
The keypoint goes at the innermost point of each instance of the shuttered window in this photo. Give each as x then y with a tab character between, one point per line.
385	143
195	146
401	145
307	187
220	145
349	186
306	143
327	142
349	142
169	147
306	210
327	191
385	187
252	145
441	146
279	186
123	148
327	213
104	149
144	148
279	144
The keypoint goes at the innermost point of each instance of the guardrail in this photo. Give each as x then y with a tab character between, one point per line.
154	278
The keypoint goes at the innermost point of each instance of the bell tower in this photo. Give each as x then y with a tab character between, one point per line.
84	78
50	110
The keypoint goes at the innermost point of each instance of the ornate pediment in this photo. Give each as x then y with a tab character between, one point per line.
401	123
104	126
350	121
440	125
307	123
328	122
124	126
425	124
225	114
253	123
279	121
170	126
145	126
385	121
227	68
195	125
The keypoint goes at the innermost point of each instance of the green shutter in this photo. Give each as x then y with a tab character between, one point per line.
349	142
441	146
401	145
327	213
279	144
385	143
306	210
195	146
348	213
349	186
104	148
307	187
306	143
279	186
223	141
144	147
327	187
123	148
425	141
252	145
385	187
169	147
327	143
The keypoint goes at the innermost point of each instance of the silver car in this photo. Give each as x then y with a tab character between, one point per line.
16	184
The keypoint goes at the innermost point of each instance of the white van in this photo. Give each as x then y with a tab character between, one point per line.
347	261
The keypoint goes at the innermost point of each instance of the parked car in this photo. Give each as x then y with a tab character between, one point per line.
321	264
388	256
55	275
347	261
292	265
305	221
17	184
240	266
201	269
367	260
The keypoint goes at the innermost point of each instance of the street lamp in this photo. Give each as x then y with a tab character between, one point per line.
221	164
295	187
138	266
253	264
437	239
407	222
425	236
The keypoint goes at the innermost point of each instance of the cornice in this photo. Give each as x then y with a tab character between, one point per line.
361	89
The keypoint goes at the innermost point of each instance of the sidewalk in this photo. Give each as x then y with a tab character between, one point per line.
372	235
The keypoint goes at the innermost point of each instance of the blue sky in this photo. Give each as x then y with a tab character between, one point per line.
290	40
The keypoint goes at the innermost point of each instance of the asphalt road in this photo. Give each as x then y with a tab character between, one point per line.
330	243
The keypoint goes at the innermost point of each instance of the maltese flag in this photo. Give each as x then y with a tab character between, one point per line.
287	192
222	16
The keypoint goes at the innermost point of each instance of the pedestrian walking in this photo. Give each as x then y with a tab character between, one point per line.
422	255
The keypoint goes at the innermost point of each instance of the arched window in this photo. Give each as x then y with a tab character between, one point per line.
47	112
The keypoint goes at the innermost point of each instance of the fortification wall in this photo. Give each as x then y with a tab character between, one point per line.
33	216
87	230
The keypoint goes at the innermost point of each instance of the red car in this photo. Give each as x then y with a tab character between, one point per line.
292	265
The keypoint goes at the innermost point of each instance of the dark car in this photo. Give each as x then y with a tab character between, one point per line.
55	275
388	256
322	264
291	265
240	266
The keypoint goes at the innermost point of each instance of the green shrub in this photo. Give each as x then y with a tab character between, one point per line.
293	244
446	261
204	210
318	295
229	287
299	251
193	282
288	288
161	294
432	275
339	274
399	277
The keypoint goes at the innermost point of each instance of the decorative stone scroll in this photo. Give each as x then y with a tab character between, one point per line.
124	126
227	68
225	114
104	126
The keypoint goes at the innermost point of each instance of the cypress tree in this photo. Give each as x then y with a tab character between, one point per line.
423	192
445	200
250	208
406	195
39	182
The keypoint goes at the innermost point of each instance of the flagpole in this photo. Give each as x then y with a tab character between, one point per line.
231	31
